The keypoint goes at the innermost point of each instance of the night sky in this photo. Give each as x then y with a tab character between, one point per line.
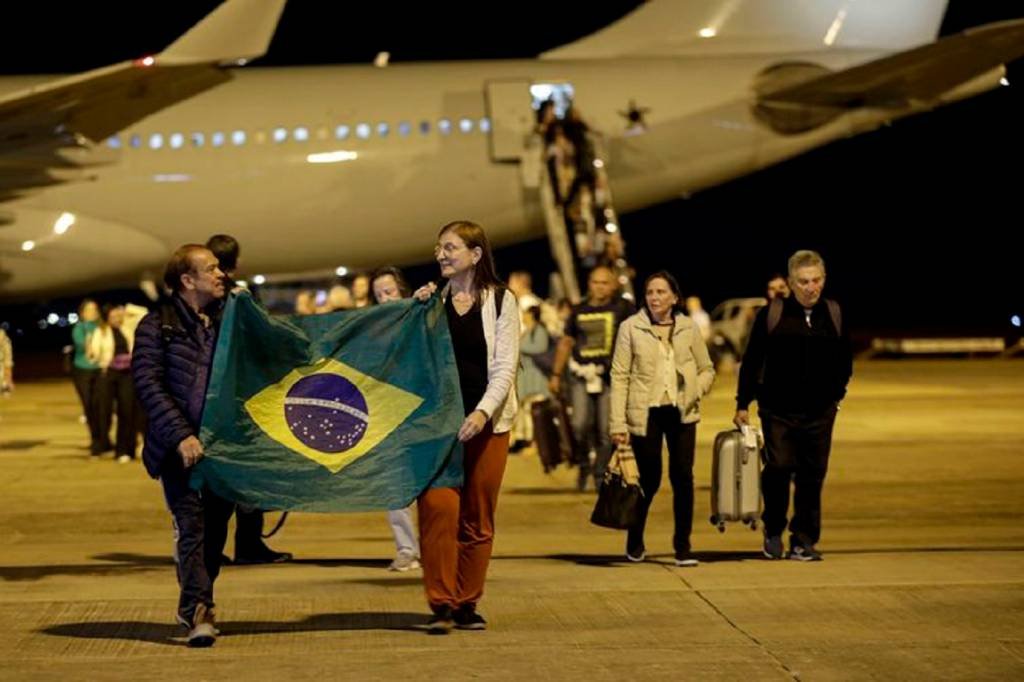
917	222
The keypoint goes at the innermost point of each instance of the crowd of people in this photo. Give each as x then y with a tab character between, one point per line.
629	375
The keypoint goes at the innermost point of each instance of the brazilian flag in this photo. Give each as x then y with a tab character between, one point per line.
350	411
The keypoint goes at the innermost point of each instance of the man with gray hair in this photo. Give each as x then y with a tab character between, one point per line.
797	365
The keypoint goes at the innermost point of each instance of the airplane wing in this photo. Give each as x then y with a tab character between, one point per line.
919	75
38	124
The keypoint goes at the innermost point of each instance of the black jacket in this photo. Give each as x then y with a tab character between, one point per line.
796	369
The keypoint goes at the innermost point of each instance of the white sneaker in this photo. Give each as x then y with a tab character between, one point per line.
404	562
123	459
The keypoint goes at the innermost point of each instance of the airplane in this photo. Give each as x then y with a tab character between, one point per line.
103	173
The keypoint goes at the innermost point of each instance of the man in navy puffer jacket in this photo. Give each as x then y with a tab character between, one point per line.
171	366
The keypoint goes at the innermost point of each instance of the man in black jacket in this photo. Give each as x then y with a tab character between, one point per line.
797	365
249	545
171	366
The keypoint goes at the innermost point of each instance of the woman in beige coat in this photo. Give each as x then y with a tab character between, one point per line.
660	372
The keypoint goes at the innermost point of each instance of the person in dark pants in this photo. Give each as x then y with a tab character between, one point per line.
660	372
85	374
249	545
797	366
110	347
171	367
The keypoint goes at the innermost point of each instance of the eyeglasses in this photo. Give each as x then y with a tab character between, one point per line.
447	249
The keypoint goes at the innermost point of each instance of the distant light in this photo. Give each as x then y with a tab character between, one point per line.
707	32
156	140
835	28
259	279
341	271
145	61
1004	81
52	318
73	318
28	245
238	138
332	157
242	62
466	125
280	134
301	134
1015	320
177	140
64	223
598	163
382	59
611	227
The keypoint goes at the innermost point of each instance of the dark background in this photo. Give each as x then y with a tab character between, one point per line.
918	222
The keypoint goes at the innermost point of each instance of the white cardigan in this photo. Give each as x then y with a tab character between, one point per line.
99	347
502	334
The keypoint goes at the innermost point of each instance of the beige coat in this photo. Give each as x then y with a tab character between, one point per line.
634	365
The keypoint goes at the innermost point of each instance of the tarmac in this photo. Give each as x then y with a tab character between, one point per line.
922	578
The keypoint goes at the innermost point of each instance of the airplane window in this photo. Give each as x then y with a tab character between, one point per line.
280	134
135	142
217	139
485	125
301	134
177	140
341	132
425	127
114	142
466	125
197	139
404	128
238	138
156	140
445	126
363	131
383	129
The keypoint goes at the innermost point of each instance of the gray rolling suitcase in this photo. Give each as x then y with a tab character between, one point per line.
736	479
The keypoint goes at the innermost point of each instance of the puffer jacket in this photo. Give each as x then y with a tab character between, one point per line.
165	363
633	372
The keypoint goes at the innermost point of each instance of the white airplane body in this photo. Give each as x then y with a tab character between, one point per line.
719	106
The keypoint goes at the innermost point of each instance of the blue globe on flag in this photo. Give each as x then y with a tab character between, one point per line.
326	412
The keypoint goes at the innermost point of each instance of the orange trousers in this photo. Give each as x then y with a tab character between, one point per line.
457	525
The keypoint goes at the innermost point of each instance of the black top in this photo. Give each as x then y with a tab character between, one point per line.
470	346
594	329
799	367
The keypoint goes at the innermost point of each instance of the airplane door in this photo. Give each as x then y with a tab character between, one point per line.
510	108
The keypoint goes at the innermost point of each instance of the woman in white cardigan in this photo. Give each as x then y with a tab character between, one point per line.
457	524
660	372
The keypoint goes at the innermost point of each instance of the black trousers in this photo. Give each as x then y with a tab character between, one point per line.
248	532
797	447
87	386
200	531
115	387
663	424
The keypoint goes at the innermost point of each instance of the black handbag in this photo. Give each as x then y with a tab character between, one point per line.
618	502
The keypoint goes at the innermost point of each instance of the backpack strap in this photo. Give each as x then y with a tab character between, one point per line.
499	300
836	314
